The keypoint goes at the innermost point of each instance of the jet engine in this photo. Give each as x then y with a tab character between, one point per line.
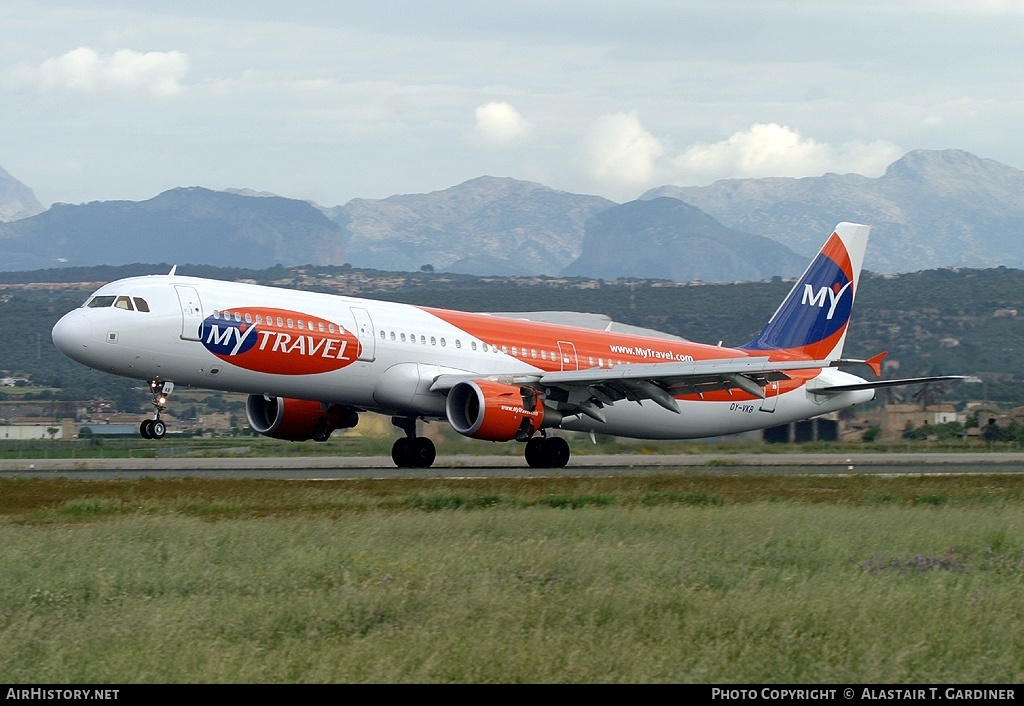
484	409
297	420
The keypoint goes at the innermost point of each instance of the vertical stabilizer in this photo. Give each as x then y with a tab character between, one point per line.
812	320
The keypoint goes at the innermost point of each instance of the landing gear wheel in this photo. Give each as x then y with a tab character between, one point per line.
555	452
422	452
146	429
418	452
550	452
400	453
533	452
157	429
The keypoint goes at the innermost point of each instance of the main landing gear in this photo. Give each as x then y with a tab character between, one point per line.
155	428
547	452
412	451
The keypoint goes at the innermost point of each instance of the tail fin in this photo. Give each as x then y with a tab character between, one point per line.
813	318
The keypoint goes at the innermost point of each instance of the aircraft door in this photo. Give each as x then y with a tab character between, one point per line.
191	312
364	330
567	354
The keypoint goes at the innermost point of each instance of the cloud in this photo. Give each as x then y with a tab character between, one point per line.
499	123
770	149
85	70
620	150
624	158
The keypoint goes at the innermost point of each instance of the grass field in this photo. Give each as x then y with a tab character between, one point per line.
630	579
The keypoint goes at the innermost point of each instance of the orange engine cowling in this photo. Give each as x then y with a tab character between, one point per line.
494	411
297	420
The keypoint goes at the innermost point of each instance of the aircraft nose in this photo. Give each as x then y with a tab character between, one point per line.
71	335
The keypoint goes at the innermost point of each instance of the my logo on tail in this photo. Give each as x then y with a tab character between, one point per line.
834	294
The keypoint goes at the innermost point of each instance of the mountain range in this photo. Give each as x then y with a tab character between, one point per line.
930	209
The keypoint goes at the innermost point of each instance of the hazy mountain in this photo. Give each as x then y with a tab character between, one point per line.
667	239
16	199
486	226
182	225
930	209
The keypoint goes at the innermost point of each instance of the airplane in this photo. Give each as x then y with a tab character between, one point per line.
311	363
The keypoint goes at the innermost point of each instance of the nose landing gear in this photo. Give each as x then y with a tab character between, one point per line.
155	428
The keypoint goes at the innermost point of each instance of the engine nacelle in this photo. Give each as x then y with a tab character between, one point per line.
483	409
297	420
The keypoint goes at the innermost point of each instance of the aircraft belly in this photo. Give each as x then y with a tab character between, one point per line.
701	419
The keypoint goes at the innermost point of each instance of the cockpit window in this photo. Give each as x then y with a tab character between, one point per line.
122	302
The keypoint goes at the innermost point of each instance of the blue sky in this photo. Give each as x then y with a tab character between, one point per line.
330	101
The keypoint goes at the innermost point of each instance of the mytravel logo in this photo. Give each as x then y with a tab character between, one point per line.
833	293
278	341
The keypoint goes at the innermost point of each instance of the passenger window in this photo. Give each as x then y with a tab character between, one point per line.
141	305
124	303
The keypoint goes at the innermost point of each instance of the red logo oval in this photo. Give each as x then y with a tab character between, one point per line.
278	341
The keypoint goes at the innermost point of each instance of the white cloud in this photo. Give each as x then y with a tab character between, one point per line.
777	150
622	151
85	70
499	123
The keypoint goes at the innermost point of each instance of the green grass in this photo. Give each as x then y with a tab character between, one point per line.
633	579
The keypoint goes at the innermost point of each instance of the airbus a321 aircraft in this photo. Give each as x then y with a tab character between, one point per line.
311	362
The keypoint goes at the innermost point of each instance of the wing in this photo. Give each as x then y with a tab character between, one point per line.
588	391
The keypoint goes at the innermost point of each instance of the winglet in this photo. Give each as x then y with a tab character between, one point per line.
174	268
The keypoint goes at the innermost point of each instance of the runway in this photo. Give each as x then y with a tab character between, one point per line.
469	466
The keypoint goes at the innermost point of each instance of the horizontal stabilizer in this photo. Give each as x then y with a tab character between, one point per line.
837	389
